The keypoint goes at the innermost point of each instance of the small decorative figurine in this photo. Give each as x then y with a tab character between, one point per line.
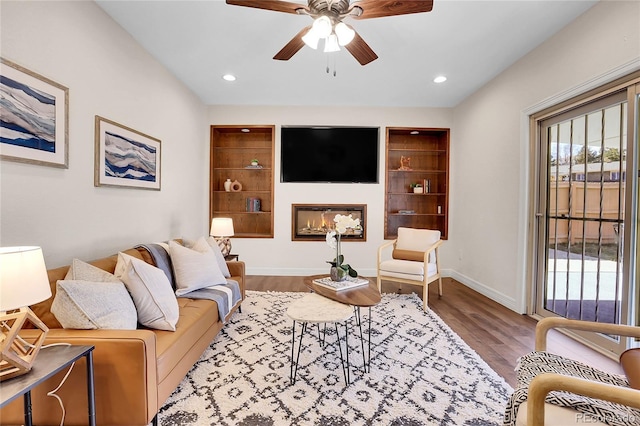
405	162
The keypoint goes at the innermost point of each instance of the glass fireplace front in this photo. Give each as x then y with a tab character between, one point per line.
311	222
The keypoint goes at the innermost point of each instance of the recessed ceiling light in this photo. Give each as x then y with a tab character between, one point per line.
414	132
229	77
440	79
245	130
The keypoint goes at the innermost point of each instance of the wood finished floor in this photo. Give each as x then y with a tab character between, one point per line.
496	333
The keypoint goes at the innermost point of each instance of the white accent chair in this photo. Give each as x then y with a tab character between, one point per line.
413	260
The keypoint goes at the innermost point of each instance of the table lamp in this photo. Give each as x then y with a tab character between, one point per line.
23	282
221	228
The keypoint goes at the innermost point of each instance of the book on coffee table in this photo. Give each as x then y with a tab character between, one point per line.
347	284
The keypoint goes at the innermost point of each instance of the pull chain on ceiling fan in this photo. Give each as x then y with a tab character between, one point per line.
328	25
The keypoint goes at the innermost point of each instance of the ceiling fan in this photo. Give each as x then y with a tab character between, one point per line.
327	22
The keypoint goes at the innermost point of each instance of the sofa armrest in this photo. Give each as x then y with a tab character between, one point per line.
237	271
125	376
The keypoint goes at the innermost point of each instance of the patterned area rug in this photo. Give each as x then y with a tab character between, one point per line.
422	373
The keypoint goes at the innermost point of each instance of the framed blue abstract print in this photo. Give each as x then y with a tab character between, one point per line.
125	157
34	117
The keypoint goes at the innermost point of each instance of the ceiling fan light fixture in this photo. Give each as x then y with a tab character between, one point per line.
322	26
311	39
331	44
345	33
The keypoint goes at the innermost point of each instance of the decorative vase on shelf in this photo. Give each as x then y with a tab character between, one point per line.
227	185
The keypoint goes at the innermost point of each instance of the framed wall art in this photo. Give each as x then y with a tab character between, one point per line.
34	112
125	157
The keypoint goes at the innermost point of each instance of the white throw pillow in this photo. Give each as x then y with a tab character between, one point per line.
89	305
222	263
194	268
151	292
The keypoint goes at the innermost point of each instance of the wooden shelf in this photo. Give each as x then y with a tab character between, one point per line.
232	149
428	151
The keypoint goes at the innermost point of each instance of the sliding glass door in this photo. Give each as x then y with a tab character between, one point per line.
585	212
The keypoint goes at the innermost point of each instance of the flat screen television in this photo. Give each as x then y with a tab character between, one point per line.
329	154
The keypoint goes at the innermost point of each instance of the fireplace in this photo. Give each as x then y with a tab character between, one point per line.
311	222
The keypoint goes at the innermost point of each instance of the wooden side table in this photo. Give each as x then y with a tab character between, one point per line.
50	361
231	257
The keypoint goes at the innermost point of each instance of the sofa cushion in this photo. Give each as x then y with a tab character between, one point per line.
194	268
89	305
196	317
151	292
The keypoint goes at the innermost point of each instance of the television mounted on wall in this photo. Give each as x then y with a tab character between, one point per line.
323	154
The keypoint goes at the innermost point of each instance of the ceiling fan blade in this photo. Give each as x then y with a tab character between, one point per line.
275	5
381	8
361	50
293	46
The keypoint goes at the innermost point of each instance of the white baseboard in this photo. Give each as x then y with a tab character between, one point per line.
492	294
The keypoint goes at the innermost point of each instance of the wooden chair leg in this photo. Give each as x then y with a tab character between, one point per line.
440	286
425	296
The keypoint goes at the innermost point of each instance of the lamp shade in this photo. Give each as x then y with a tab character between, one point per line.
23	277
311	39
331	44
344	33
221	227
322	26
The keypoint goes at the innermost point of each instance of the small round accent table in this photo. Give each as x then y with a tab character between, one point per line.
315	309
365	296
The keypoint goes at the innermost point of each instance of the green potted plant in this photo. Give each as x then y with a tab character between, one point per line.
417	188
254	162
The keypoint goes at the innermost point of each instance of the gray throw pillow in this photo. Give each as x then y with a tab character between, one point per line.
89	305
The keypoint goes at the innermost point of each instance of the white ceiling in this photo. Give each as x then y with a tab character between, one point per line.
468	41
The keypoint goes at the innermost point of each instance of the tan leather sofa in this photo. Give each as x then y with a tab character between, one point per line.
135	371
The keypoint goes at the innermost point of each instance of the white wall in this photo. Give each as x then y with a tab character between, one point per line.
108	74
489	185
280	255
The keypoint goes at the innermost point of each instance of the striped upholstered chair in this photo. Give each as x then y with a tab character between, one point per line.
553	390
